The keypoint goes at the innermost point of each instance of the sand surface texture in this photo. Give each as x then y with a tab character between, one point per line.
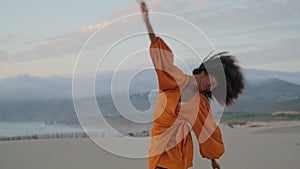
275	146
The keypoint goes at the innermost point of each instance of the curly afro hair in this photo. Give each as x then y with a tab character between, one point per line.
224	67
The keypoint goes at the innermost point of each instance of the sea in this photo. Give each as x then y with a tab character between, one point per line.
28	128
10	129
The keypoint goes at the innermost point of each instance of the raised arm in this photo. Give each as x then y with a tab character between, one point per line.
152	35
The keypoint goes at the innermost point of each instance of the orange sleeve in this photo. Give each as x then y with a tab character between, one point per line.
208	132
169	76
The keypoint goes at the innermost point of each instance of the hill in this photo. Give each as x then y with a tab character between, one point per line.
268	95
30	98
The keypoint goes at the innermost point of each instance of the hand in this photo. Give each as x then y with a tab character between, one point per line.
215	165
144	11
147	22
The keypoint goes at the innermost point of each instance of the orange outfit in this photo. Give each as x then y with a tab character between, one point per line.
171	144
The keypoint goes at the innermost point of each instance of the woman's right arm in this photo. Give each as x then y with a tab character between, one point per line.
152	35
169	75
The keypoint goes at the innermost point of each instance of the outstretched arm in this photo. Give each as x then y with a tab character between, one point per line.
152	35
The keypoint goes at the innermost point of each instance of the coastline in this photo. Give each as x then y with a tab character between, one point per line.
146	133
250	124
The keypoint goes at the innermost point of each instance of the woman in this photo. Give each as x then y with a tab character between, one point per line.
182	102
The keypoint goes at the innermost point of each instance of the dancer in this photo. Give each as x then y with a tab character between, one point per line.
183	101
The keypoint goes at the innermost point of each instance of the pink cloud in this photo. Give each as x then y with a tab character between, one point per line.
200	2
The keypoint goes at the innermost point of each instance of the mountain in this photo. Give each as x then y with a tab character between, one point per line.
25	87
50	98
38	110
292	105
255	76
267	95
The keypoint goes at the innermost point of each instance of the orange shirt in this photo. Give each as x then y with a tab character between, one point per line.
171	144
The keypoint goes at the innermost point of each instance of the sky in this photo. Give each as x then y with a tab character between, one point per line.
43	38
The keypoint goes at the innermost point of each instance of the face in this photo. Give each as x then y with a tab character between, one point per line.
206	82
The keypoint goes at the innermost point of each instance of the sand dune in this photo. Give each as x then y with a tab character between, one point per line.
275	147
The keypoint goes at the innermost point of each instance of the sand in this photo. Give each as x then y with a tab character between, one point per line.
269	147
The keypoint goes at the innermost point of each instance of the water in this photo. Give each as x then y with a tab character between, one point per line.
29	128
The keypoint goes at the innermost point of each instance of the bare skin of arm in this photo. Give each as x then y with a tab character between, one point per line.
214	164
152	35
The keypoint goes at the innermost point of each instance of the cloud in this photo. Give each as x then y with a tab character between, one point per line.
200	2
228	15
129	9
6	40
72	42
53	47
231	15
61	45
286	50
4	55
214	17
92	28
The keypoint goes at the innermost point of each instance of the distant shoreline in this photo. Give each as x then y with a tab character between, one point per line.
45	136
146	133
250	124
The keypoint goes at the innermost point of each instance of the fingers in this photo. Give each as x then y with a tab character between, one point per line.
144	11
144	7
